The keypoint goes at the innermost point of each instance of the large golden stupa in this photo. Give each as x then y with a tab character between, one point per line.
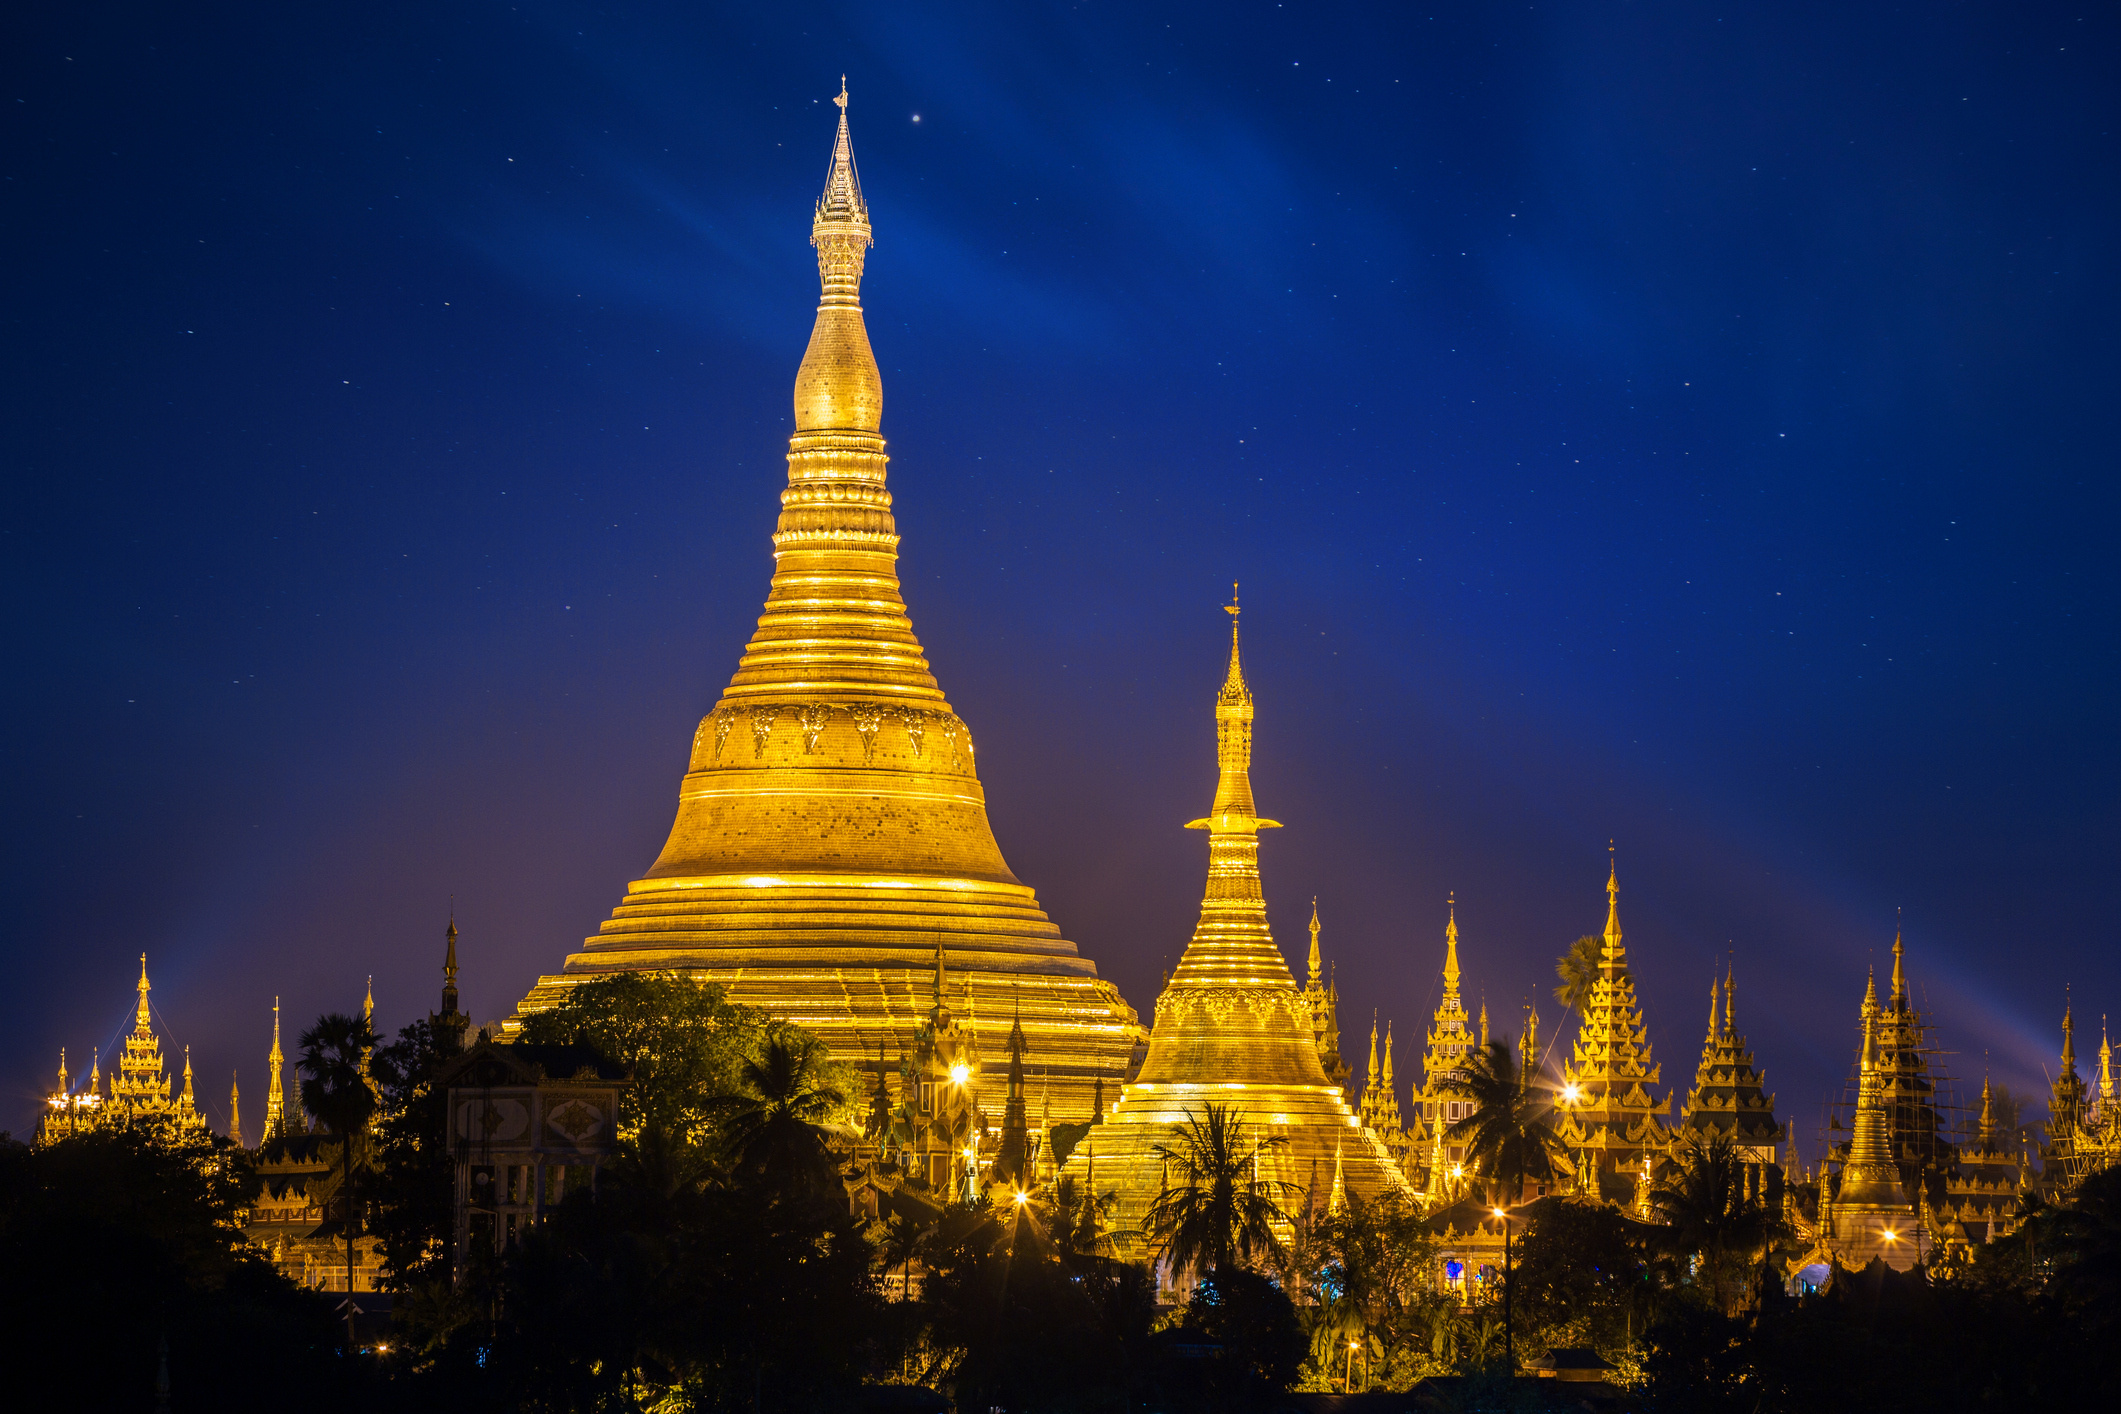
831	842
1232	1028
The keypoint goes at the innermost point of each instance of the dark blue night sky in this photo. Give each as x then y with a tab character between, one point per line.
1653	423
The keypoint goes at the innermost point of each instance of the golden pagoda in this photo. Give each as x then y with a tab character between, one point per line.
1231	1028
1442	1099
831	832
1729	1097
141	1091
1872	1214
1608	1119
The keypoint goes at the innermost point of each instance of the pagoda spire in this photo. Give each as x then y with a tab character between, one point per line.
1450	949
1613	955
1232	944
1870	1178
1730	1000
1715	1002
1370	1081
141	1025
1987	1132
235	1112
1316	974
1899	1001
1390	1086
2069	1041
1337	1199
2106	1065
187	1097
62	1071
1232	1029
275	1095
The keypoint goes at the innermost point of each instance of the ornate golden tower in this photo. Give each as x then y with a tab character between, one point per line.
1231	1027
1608	1120
831	832
1729	1096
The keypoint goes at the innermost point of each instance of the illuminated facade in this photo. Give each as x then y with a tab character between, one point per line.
830	825
1729	1097
1607	1118
1442	1099
1231	1026
140	1090
1322	1000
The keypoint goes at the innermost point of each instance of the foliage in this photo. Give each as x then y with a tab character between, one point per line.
772	1121
118	1242
1369	1275
1702	1197
1507	1137
682	1042
1578	969
412	1189
1261	1342
1587	1275
1216	1211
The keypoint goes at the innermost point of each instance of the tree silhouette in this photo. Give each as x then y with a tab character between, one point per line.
337	1090
1578	969
1216	1211
1702	1195
1506	1136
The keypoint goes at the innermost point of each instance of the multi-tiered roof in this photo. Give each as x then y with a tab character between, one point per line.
1729	1097
1608	1119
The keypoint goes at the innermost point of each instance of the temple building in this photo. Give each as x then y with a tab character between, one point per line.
1867	1211
1730	1099
1442	1099
1231	1027
1981	1194
140	1091
830	825
1611	1125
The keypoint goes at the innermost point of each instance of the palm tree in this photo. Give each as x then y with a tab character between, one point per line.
1578	969
337	1090
1216	1211
771	1122
1506	1136
1703	1197
1078	1218
899	1241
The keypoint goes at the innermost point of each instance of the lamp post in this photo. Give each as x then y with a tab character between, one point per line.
1509	1348
1347	1381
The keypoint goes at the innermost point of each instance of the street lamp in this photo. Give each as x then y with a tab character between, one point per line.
1509	1348
1347	1382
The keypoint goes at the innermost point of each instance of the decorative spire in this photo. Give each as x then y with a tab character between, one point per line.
1730	1000
1233	810
1372	1078
187	1078
235	1112
62	1071
1612	908
449	965
1337	1200
1450	948
1715	1001
1899	975
1988	1116
368	1023
1389	1083
141	1024
1316	963
275	1095
1232	945
2106	1066
2069	1042
1483	1026
1870	995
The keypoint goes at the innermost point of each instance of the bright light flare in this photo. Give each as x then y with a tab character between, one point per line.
960	1073
1571	1092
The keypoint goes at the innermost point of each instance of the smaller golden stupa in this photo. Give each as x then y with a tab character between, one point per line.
1232	1028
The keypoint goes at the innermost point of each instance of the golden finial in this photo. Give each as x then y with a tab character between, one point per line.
1315	960
1612	897
842	99
1450	946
